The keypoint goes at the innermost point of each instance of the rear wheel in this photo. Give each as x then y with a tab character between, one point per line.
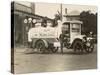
78	46
40	46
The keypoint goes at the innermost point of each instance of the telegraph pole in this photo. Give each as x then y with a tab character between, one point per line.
61	11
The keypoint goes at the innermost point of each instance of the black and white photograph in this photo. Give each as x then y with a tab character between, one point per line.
53	37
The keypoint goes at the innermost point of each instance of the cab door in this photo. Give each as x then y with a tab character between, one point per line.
75	30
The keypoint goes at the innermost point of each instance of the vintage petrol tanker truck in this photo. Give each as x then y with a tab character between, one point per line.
47	38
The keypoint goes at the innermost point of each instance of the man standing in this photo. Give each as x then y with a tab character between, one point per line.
62	36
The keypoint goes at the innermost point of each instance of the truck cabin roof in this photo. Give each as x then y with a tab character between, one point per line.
68	22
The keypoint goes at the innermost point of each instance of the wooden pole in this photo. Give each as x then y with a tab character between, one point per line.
61	11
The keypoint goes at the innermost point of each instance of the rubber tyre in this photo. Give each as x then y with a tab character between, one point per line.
78	46
40	46
90	49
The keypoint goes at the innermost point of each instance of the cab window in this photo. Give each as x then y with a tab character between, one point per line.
75	27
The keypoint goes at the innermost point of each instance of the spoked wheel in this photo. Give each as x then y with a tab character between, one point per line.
78	47
89	49
40	46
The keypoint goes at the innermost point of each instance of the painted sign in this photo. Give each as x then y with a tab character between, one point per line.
42	32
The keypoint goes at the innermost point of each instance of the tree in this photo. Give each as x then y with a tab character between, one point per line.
89	22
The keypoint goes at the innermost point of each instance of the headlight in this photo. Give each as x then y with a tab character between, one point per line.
89	38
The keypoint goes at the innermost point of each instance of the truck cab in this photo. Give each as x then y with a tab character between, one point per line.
76	40
73	30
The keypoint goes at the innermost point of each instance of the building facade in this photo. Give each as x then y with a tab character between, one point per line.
74	15
19	26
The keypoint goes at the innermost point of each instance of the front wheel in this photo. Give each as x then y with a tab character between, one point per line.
78	46
89	49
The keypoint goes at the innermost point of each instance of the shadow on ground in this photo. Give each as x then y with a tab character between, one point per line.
64	53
